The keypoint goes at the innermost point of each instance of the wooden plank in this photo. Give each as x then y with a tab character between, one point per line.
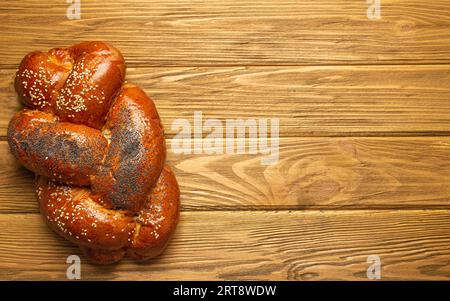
312	173
309	101
235	32
308	245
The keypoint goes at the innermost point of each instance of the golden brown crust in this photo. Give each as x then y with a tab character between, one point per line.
71	212
66	152
100	256
158	219
104	234
40	77
98	151
136	153
77	83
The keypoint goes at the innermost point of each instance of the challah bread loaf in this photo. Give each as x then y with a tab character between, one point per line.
98	150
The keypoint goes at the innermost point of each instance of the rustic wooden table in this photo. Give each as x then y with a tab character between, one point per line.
364	112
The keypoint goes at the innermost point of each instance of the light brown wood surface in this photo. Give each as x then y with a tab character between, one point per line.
313	173
364	112
309	101
236	32
292	245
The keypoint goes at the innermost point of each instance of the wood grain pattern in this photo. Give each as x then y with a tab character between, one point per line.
264	245
309	101
364	135
313	173
236	32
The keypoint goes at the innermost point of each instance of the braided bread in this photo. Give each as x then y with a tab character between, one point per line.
98	151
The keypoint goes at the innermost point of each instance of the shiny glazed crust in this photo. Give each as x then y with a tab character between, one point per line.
98	150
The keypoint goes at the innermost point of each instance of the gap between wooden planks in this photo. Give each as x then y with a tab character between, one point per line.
235	32
309	101
309	245
312	173
316	101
